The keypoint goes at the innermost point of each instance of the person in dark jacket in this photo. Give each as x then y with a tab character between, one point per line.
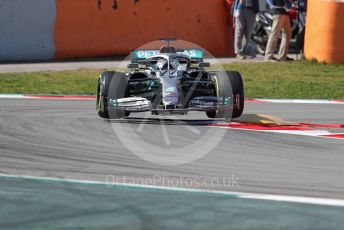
244	12
281	22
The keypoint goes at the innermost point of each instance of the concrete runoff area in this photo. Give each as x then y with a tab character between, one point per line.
66	139
102	63
41	204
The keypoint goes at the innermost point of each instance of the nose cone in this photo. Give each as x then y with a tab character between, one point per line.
169	88
170	96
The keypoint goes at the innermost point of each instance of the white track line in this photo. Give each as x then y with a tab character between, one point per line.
310	133
255	196
11	96
313	133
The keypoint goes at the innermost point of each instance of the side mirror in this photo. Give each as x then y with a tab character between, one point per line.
204	64
133	65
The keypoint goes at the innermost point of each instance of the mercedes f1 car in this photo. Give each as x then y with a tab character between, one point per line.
169	81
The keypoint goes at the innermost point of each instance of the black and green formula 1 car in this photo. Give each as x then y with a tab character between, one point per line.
169	81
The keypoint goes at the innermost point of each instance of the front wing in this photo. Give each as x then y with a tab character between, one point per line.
207	103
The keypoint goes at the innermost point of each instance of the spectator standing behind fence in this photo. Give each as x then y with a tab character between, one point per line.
281	22
244	12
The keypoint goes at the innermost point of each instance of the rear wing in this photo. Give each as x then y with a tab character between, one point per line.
139	56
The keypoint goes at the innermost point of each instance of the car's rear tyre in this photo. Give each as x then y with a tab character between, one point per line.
229	84
111	85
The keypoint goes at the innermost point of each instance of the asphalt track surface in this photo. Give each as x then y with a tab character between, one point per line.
66	139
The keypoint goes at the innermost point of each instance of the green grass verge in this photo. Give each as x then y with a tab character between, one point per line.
60	82
304	80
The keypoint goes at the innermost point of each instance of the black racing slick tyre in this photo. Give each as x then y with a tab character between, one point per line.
229	84
102	93
111	85
238	93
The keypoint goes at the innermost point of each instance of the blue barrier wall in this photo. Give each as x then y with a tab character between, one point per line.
27	29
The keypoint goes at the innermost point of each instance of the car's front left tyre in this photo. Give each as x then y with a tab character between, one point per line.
229	86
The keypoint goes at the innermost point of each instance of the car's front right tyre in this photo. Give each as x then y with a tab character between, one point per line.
111	86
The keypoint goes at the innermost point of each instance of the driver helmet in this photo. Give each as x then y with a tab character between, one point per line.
161	64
